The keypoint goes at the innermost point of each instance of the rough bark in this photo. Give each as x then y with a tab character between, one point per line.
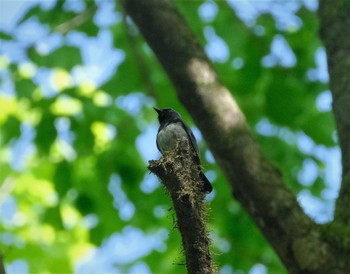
303	246
176	170
335	33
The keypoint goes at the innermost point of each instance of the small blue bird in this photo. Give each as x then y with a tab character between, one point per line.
172	129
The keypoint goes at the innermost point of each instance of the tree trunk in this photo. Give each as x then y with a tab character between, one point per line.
335	34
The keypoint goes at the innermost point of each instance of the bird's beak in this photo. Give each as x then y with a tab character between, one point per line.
158	110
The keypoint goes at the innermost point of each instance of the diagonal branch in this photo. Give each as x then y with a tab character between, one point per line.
143	69
76	21
335	33
256	183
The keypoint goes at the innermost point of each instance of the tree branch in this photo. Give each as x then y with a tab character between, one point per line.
335	32
2	266
176	171
143	69
76	21
256	183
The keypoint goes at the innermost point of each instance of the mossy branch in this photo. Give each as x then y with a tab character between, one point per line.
176	170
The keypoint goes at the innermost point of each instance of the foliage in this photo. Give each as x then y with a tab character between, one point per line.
74	146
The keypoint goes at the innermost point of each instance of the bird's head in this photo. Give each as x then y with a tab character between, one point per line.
166	114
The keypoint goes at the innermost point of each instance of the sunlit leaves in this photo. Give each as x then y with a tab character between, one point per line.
29	187
102	99
87	88
27	70
61	79
65	105
8	106
86	165
104	135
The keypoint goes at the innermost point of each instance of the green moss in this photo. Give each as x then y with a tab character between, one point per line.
337	235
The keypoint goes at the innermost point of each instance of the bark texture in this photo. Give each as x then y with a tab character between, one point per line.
335	33
302	245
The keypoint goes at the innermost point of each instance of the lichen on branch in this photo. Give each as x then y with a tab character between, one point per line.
179	174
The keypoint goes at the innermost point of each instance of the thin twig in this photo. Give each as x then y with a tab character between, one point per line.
76	21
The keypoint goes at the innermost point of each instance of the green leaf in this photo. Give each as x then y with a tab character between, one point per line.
46	134
25	88
82	184
283	104
63	178
5	36
9	130
85	204
52	216
64	57
320	127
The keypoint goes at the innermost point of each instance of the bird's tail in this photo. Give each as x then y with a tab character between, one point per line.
207	187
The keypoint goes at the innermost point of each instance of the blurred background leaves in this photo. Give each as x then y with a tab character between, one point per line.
77	87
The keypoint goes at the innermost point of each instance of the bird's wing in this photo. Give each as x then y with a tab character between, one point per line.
160	127
193	142
157	143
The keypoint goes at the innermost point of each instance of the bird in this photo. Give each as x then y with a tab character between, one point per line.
171	130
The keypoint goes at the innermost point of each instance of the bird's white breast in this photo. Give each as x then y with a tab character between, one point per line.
169	136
